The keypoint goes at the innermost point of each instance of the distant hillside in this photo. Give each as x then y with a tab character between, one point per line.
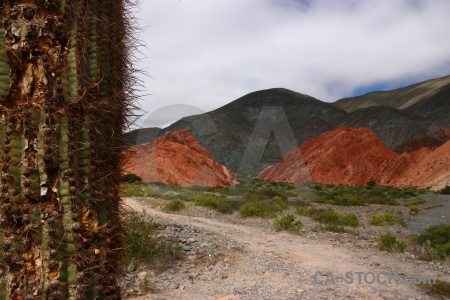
405	119
435	108
226	131
399	130
142	136
399	98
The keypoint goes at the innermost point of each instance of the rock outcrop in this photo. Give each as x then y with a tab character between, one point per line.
355	156
177	158
346	155
428	169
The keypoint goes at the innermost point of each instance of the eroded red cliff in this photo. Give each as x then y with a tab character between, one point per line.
177	158
355	156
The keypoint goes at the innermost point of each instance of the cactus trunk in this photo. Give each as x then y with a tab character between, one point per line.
64	96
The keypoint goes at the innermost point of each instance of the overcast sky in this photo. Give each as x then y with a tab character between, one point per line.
203	54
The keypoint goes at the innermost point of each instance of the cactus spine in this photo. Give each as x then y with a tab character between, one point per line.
64	96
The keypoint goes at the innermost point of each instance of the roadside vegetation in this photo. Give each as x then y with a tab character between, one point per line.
386	219
413	206
390	243
288	223
363	195
434	243
332	220
143	246
230	199
174	205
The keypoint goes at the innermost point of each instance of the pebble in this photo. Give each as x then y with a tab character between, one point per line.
185	247
142	275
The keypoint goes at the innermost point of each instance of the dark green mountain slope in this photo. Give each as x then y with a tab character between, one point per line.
399	130
142	136
435	108
226	131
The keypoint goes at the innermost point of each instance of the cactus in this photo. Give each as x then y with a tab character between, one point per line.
65	93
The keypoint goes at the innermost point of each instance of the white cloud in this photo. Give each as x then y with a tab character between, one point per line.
207	53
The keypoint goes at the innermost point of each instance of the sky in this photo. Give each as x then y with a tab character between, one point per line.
203	54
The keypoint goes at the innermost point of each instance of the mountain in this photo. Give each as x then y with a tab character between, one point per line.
355	156
259	129
399	130
401	98
142	136
177	158
345	155
428	169
285	119
434	108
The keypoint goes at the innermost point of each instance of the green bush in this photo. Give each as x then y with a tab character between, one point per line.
332	219
257	209
437	235
389	243
141	245
207	201
288	223
412	206
440	252
386	219
350	220
129	178
174	205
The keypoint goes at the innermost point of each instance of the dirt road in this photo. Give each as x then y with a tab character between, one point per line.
255	262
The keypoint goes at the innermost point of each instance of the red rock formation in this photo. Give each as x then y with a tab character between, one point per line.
177	158
343	156
354	156
429	169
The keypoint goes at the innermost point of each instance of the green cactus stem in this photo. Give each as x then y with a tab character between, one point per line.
65	92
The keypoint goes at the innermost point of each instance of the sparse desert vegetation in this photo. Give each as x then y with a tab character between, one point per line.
142	244
288	223
386	219
390	243
435	241
297	209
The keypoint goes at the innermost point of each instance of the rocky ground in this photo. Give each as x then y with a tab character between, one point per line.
229	257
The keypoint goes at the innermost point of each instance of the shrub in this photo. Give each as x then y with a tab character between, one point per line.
412	206
206	201
138	189
389	243
332	219
439	288
142	245
350	220
129	178
437	235
445	190
371	183
440	252
386	219
288	223
174	205
257	209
